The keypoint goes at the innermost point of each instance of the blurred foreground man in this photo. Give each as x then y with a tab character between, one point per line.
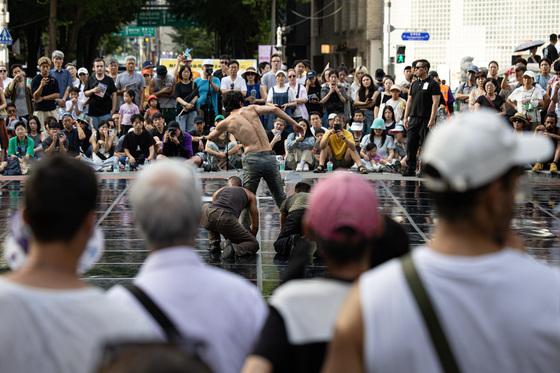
495	308
51	321
217	312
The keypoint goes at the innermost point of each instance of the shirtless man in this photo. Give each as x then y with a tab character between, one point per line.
259	160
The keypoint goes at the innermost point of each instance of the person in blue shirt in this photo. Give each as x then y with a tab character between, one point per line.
62	76
208	87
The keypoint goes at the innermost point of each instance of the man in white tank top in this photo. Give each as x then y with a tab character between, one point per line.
498	307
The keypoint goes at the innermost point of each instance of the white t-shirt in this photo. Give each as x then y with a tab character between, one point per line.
382	150
398	106
532	96
58	331
238	85
298	92
500	313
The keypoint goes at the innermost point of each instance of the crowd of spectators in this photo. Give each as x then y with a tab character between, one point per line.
353	120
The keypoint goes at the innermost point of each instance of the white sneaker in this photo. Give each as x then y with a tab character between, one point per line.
299	167
305	167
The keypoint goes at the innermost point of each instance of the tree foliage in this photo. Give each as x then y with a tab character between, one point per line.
80	25
199	39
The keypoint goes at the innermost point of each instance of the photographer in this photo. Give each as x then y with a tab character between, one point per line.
177	143
208	91
55	141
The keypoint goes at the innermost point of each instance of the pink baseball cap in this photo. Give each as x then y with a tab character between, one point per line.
343	200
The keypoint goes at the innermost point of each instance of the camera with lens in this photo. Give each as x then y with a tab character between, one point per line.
337	128
209	70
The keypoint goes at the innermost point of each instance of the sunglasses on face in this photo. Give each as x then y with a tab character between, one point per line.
2	71
291	76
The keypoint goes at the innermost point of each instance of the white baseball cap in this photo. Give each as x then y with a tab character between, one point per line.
357	126
280	72
332	116
207	62
473	149
82	70
529	73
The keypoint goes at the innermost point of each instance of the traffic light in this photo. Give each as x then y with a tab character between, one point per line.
400	53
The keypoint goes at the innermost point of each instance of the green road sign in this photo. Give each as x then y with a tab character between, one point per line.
137	31
160	17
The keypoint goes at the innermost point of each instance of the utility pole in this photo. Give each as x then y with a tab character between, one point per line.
4	20
52	27
387	65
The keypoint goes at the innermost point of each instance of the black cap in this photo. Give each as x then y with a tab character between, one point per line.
199	120
433	74
161	70
173	125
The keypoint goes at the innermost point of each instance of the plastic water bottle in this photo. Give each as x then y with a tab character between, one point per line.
115	164
126	166
330	166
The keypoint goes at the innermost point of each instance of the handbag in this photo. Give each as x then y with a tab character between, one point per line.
13	167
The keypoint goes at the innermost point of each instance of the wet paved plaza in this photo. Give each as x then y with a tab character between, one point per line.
537	220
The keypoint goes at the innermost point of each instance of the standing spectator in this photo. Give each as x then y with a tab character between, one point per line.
221	217
301	74
269	79
313	88
62	76
365	99
477	91
177	143
533	58
166	200
297	98
342	218
224	67
447	99
528	98
161	86
147	75
407	82
256	92
396	102
333	94
102	94
338	146
264	67
420	113
233	82
277	95
493	69
19	93
138	145
127	110
357	83
463	92
131	79
4	78
298	148
73	74
383	97
186	93
208	93
473	245
550	51
113	69
491	99
45	91
543	76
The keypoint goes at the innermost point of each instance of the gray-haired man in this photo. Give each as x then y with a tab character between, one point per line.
130	79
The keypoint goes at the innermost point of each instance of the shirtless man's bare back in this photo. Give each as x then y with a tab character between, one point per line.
259	160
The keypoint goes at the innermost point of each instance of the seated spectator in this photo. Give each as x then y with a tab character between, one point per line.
158	132
177	143
138	145
359	117
399	141
520	122
298	147
53	321
56	141
388	117
73	135
212	308
221	218
343	219
34	131
330	120
357	129
85	143
490	99
103	143
224	153
371	158
277	137
473	246
21	147
199	138
127	110
338	146
315	121
291	217
317	146
73	105
550	130
384	142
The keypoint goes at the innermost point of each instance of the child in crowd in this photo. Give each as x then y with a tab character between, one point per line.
359	117
371	160
357	129
73	105
397	103
400	145
127	110
317	146
152	108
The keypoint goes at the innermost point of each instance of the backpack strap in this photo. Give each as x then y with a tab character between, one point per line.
422	298
169	328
